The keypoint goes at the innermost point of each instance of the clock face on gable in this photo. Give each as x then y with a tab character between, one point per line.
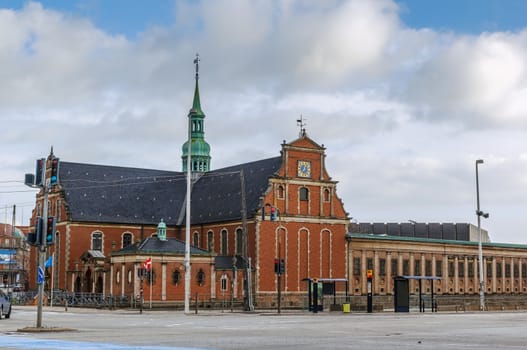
304	168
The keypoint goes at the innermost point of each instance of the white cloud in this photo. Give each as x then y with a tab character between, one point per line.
481	81
403	112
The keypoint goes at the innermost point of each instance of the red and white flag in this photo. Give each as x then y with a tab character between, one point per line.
147	265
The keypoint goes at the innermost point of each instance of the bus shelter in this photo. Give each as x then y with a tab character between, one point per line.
318	287
402	293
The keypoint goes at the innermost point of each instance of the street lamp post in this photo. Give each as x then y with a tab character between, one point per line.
479	214
347	236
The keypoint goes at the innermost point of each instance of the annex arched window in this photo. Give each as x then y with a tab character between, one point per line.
224	283
200	277
96	241
303	194
176	277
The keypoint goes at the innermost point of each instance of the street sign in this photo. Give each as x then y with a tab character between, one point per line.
40	278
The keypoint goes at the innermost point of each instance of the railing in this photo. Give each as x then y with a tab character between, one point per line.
23	298
62	298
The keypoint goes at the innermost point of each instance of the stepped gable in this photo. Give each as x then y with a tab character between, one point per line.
216	196
111	194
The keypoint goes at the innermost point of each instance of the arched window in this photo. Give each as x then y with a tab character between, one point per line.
200	277
195	241
57	210
223	237
210	241
239	241
303	194
176	276
127	239
224	283
96	241
281	192
327	195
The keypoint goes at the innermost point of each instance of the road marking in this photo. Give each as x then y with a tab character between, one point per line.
20	342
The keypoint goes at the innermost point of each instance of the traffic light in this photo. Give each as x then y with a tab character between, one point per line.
282	266
276	266
50	231
54	179
41	165
263	213
273	213
34	238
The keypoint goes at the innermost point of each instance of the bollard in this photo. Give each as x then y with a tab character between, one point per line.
66	304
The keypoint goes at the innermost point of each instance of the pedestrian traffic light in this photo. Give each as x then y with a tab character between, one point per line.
276	266
50	231
273	213
54	179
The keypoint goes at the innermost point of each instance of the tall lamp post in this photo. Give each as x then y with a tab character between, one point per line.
347	236
479	214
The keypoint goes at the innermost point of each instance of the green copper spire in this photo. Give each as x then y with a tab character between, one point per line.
196	104
199	148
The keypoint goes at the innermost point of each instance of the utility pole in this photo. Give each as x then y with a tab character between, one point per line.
247	285
11	247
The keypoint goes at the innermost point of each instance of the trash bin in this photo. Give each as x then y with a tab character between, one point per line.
346	308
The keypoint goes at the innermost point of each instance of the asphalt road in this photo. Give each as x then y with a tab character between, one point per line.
124	329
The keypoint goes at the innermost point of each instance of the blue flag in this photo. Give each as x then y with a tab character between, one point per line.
49	262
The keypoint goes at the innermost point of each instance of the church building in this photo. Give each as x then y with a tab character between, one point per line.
112	220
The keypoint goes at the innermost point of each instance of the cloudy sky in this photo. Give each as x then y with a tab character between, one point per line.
405	95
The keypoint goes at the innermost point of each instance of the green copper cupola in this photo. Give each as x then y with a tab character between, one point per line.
199	148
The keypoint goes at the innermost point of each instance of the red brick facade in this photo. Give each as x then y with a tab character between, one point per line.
309	230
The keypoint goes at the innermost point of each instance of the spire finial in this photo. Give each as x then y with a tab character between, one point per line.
196	62
51	152
301	123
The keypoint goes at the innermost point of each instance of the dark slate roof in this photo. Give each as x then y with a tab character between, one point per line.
155	246
216	196
100	193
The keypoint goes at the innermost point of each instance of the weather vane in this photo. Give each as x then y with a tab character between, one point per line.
301	123
196	62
